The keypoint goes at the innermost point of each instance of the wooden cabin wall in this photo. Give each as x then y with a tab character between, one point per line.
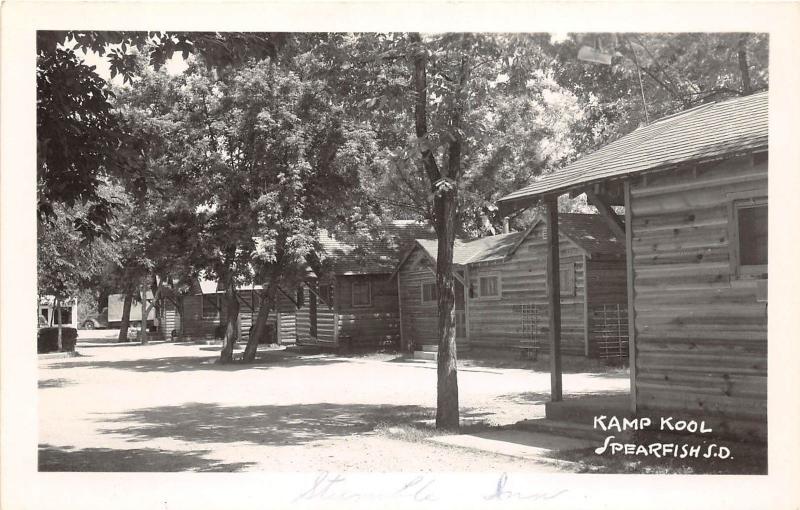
607	306
303	326
198	328
505	323
325	320
287	328
420	319
376	325
701	333
171	318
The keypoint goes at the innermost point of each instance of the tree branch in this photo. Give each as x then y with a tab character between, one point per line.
420	107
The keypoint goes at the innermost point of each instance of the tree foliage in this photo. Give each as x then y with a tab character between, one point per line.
79	138
260	159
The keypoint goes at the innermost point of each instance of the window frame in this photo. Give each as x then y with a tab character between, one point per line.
492	297
739	201
369	294
422	292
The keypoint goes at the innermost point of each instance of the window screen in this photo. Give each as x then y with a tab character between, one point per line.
752	223
428	292
489	286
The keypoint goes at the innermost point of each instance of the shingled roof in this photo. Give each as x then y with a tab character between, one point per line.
589	231
702	133
478	250
369	254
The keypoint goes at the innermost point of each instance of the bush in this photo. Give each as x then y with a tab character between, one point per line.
47	339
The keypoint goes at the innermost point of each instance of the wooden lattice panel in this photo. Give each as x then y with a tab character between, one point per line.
533	319
610	330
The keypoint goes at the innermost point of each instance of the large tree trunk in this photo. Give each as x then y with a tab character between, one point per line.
266	300
231	323
447	416
60	343
444	185
126	318
143	322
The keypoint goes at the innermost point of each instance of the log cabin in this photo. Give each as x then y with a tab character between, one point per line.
198	314
353	301
501	295
694	189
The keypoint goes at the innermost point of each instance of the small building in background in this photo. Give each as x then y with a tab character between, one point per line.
353	300
200	313
501	295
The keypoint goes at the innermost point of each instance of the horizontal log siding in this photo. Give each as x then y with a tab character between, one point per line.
172	318
326	330
287	324
377	325
701	336
498	323
420	323
198	328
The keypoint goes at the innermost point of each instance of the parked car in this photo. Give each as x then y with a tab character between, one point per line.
96	321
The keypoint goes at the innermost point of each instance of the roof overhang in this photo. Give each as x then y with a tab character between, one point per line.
548	186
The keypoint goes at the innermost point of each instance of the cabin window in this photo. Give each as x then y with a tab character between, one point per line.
209	306
489	287
750	218
428	292
361	294
566	280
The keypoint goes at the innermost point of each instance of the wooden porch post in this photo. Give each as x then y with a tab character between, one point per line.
554	296
631	292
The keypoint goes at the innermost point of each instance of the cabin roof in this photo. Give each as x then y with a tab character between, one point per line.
701	133
589	231
592	233
478	250
372	255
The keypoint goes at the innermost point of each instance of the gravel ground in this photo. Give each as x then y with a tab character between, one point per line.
170	407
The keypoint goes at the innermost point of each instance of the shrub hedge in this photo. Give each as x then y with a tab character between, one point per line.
47	339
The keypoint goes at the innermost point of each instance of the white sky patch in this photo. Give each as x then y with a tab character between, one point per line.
174	66
557	37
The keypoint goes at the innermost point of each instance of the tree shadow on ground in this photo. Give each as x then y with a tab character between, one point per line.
54	458
275	425
91	344
193	363
55	383
532	397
